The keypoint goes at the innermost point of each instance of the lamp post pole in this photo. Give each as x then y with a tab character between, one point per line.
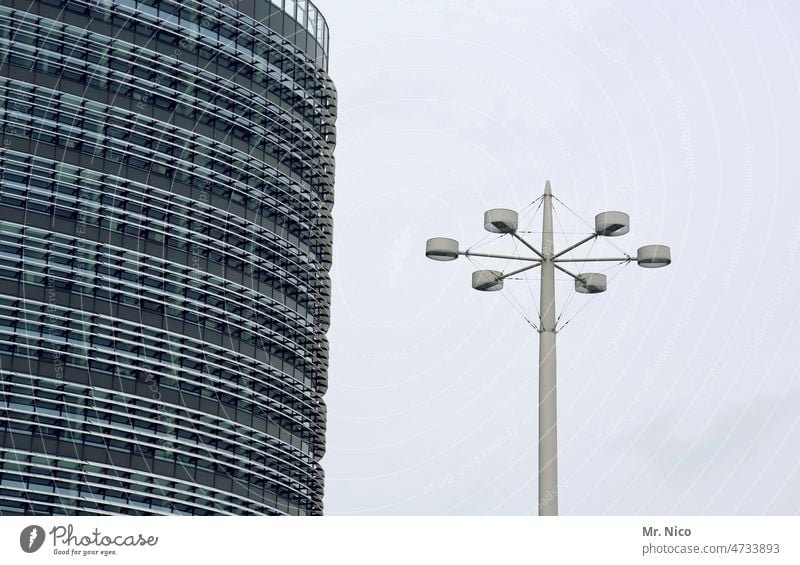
505	222
548	455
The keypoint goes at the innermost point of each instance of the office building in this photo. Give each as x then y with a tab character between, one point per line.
166	185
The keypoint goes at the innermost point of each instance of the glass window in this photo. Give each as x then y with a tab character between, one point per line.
312	19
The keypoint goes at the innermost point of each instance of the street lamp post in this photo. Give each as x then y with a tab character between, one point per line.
503	221
548	453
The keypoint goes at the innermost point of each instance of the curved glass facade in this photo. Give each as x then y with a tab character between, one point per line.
165	239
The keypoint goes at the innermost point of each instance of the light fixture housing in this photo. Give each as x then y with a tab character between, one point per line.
653	256
500	220
591	283
487	281
612	224
441	249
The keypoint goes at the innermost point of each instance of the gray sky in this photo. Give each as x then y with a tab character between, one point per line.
678	388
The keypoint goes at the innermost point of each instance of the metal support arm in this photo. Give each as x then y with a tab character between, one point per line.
528	245
593	259
494	256
571	247
518	271
563	270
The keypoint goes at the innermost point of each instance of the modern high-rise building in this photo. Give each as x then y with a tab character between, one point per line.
166	184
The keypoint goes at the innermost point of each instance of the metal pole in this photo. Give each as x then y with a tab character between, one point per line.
548	455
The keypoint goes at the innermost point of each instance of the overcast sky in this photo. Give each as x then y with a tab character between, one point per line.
679	389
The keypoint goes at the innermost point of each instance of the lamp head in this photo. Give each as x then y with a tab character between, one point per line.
612	224
500	220
653	256
487	281
441	249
